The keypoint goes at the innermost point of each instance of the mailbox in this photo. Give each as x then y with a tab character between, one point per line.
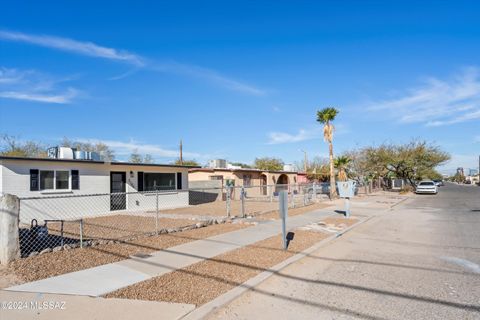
346	189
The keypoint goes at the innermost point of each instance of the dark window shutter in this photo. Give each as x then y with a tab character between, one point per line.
75	180
34	182
179	180
140	181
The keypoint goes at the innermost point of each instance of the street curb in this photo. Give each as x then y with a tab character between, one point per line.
208	308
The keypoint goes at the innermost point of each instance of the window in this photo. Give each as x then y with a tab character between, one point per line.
46	180
51	180
247	180
159	181
216	177
61	180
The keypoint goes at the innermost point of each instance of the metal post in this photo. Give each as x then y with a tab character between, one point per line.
283	211
156	217
242	198
81	233
347	207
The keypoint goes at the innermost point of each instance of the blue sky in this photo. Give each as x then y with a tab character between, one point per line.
240	80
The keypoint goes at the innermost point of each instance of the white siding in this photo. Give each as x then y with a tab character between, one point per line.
94	179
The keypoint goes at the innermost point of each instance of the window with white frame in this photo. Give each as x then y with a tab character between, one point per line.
54	180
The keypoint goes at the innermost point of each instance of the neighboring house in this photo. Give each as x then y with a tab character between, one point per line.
116	185
302	178
255	180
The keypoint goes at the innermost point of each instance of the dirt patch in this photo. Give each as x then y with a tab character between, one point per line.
294	211
340	221
61	262
206	280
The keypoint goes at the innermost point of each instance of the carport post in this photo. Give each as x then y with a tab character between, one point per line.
156	212
242	195
228	198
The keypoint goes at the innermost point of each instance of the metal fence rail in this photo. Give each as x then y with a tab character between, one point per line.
50	223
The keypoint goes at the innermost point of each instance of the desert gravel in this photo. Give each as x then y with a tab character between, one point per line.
294	211
206	280
65	261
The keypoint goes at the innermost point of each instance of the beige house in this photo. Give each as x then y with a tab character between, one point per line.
257	182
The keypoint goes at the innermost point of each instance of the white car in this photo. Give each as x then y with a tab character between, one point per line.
427	186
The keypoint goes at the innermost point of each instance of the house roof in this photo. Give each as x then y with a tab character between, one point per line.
96	162
239	170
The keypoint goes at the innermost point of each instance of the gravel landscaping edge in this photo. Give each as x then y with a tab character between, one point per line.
209	307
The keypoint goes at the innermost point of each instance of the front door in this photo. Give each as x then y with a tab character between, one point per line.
118	198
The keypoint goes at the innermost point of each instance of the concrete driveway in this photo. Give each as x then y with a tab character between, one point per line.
418	261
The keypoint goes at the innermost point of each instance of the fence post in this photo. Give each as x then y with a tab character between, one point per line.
81	233
228	198
9	234
293	199
242	198
156	212
270	190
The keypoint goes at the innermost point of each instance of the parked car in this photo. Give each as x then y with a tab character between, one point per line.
439	183
468	182
426	186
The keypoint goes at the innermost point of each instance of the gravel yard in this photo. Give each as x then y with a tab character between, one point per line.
60	262
206	280
118	226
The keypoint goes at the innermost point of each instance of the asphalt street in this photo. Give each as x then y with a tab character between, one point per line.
419	260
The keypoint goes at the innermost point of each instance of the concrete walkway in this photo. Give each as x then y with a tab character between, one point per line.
53	306
110	277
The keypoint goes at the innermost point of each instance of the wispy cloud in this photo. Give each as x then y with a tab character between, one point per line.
125	148
303	134
283	137
437	102
94	50
30	85
47	98
70	45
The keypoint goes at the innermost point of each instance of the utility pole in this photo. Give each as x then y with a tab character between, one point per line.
181	153
305	160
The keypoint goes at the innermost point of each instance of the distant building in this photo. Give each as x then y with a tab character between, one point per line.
473	172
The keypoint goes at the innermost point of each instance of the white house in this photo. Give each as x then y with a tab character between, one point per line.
74	188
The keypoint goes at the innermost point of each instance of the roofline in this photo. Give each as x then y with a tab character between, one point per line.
115	163
240	170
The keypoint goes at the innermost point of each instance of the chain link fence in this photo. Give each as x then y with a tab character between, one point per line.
53	222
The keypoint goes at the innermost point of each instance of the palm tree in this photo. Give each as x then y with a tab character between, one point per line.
341	164
325	117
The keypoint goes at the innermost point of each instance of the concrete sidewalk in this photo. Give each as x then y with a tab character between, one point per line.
110	277
27	306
